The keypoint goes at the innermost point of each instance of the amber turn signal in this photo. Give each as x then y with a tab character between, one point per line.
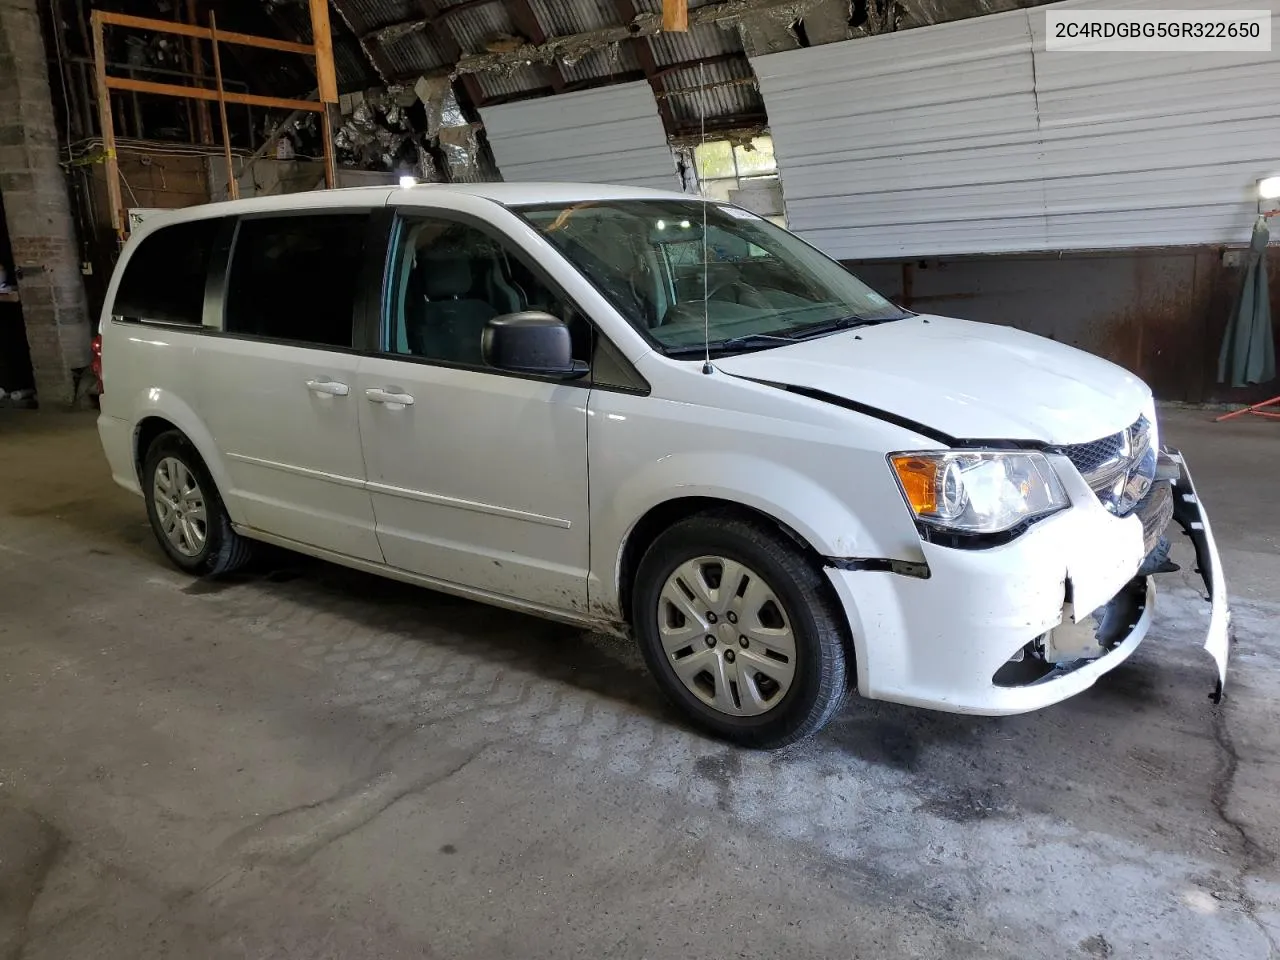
919	480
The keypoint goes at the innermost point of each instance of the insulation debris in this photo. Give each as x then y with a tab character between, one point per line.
570	49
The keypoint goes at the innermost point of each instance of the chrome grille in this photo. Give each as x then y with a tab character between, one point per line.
1118	468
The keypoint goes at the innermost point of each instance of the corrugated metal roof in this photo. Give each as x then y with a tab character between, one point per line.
366	15
496	85
713	91
602	63
414	53
702	40
474	27
561	18
968	138
610	135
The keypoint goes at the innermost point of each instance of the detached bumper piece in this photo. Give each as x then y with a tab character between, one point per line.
1190	515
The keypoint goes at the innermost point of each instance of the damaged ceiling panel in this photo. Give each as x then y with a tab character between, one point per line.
609	135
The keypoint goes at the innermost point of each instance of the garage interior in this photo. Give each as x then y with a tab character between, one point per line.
305	761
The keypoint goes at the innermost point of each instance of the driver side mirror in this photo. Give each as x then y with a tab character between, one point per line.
533	342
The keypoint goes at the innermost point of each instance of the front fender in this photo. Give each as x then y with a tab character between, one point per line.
821	518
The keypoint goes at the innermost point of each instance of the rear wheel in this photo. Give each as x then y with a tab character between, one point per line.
186	513
738	628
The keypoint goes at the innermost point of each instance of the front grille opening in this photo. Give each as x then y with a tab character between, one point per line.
1118	468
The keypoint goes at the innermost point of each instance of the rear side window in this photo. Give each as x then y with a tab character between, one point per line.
164	279
296	278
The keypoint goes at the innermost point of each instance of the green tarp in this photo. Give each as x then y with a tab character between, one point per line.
1249	349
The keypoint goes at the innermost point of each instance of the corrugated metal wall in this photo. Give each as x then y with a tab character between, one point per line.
610	135
969	137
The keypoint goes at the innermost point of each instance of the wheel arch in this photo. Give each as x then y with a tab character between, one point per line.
664	515
163	411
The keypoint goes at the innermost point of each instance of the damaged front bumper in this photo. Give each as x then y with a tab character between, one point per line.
973	636
1190	515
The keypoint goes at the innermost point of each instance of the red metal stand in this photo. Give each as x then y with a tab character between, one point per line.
1257	410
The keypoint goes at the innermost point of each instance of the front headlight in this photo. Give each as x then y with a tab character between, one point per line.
978	492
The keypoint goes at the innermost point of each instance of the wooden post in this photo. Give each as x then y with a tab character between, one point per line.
675	16
111	165
232	184
326	82
197	67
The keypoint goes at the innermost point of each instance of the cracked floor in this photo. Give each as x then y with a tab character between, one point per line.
309	762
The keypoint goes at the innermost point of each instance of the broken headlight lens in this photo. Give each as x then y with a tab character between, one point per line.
980	491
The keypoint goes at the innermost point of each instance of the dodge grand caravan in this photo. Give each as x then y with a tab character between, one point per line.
637	411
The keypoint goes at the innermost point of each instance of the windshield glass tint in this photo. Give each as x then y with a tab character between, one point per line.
650	258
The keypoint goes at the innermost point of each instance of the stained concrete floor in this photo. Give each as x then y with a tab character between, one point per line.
307	762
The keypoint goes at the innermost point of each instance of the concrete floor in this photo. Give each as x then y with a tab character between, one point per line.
307	762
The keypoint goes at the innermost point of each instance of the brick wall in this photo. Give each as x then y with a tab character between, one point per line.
37	209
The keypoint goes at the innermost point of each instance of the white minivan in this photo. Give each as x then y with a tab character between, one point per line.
642	412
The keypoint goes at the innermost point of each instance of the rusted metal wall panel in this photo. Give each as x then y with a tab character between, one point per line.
969	138
610	135
1159	313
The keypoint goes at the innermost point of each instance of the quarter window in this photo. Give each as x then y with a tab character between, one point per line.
164	279
296	278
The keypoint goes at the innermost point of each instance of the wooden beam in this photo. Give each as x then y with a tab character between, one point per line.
205	93
675	16
112	165
233	186
188	30
326	74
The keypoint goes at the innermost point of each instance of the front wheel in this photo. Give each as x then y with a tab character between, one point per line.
737	626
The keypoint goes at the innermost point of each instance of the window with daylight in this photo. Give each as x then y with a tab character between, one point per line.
742	173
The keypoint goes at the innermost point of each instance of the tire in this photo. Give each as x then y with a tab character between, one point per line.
758	708
220	550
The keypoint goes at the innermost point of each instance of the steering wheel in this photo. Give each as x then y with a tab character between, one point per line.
748	296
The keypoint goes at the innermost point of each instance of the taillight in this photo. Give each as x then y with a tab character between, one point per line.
96	363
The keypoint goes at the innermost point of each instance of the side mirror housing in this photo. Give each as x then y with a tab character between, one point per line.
532	342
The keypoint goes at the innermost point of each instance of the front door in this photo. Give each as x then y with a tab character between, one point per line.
278	387
477	477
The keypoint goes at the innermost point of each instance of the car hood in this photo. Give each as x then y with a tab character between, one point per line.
964	379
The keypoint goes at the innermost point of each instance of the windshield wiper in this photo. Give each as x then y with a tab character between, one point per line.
746	341
844	323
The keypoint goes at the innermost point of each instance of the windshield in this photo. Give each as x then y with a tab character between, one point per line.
758	284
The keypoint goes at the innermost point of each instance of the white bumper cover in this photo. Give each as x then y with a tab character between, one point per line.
937	642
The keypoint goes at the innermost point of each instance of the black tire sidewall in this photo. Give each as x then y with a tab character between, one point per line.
796	583
217	523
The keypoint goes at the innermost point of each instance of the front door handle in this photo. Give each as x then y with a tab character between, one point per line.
328	388
378	395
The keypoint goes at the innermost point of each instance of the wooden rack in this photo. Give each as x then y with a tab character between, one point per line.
326	77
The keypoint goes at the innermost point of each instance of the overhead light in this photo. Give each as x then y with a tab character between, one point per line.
662	224
1269	189
408	181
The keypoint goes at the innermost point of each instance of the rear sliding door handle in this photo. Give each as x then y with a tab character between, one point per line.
378	395
328	388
